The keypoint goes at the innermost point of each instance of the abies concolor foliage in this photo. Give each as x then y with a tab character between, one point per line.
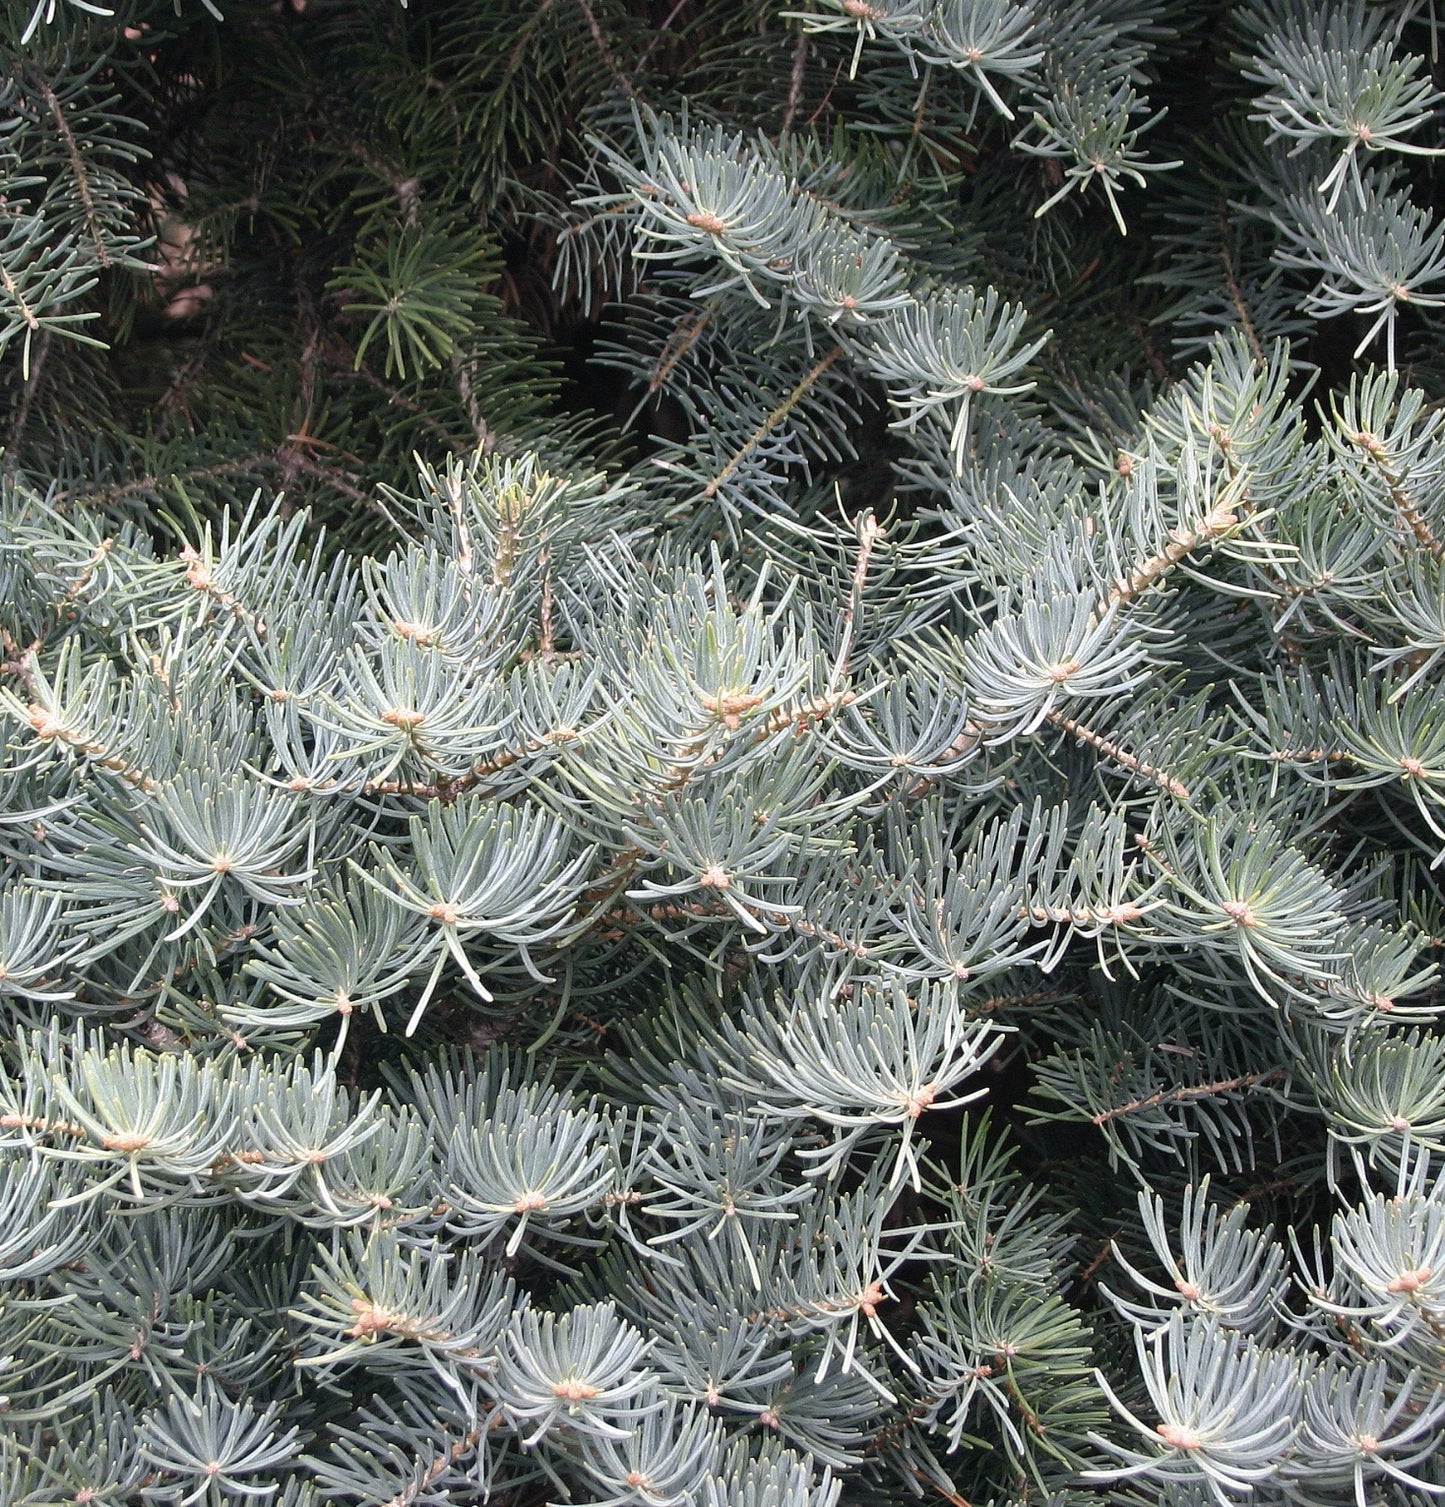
722	756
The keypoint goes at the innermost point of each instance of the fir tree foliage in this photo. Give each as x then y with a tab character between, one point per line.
722	775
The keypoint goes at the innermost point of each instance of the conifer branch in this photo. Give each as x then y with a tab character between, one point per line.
439	1467
777	416
1182	543
79	171
796	80
704	925
1236	297
1408	509
29	388
1187	1093
120	491
481	430
677	345
1121	756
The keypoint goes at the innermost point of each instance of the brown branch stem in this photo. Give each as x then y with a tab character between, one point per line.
1187	1094
1121	756
1405	505
81	173
1182	542
1236	297
771	422
796	82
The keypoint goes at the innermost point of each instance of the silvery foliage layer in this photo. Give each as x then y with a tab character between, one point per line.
509	1013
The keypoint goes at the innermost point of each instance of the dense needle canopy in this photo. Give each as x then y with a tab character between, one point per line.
722	757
